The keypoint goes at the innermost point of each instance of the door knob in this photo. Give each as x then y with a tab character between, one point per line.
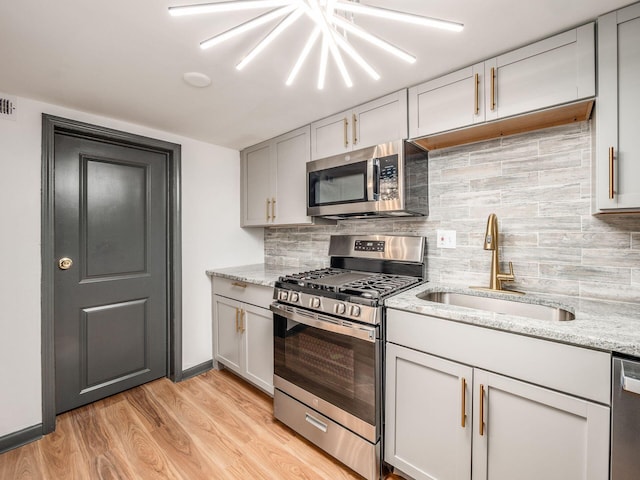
65	263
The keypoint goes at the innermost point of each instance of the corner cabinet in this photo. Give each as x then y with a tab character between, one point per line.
617	155
378	121
551	72
273	186
465	402
243	330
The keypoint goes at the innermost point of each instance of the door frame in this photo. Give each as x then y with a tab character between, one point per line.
50	126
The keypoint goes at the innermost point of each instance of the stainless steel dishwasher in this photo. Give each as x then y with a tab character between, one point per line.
625	419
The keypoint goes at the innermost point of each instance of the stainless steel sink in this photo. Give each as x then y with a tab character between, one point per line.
499	305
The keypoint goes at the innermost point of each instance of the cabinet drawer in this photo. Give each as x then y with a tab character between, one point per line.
259	295
566	368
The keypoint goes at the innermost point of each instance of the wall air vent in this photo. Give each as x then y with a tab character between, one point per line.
8	107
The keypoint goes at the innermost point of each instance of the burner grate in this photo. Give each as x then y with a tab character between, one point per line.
366	285
378	285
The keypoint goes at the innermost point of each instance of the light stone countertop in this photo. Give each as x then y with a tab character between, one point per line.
258	274
601	325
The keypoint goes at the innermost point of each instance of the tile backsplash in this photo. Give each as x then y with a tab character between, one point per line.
539	186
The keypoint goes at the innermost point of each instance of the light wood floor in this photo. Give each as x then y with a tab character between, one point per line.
214	426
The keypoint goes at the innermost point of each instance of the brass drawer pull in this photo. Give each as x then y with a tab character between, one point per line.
481	419
239	284
346	132
477	96
463	413
354	120
611	157
493	88
268	203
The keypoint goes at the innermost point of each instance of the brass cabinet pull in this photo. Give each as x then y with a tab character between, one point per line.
242	315
346	130
273	209
239	284
481	419
268	203
477	97
237	321
611	152
493	88
354	129
463	413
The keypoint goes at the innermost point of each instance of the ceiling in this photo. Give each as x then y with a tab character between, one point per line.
125	59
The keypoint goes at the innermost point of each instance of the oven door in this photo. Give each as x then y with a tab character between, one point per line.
331	365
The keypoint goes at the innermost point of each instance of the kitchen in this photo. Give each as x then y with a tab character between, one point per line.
556	245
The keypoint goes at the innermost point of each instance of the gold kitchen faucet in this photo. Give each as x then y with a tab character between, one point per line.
496	276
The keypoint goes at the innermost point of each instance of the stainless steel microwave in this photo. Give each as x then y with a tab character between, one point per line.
388	180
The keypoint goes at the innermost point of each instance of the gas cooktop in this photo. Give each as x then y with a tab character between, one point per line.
365	269
348	282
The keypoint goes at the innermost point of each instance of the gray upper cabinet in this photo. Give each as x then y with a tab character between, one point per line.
273	187
381	120
551	72
617	155
446	103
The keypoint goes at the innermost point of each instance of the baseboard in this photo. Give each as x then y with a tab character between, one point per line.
21	437
197	370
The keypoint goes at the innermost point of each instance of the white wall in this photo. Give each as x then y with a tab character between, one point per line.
211	237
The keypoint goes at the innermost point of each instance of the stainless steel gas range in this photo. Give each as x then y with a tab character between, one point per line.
328	344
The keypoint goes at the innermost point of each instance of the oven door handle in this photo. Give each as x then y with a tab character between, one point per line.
324	322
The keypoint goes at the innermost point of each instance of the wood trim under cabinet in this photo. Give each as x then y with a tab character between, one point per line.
574	112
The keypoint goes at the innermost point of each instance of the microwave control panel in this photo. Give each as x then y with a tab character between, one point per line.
389	178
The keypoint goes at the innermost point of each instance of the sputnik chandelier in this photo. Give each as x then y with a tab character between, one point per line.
332	20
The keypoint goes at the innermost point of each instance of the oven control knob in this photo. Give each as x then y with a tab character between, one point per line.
355	311
315	302
282	295
294	297
341	308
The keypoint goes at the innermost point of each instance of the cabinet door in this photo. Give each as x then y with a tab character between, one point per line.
557	70
530	433
258	344
428	415
331	136
618	142
292	152
446	103
227	336
256	174
382	120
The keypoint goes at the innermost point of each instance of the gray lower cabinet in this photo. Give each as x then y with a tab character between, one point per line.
243	331
451	413
428	413
617	155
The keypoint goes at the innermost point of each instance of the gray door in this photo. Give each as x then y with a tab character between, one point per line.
110	304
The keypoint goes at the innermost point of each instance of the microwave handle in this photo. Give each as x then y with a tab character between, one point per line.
373	179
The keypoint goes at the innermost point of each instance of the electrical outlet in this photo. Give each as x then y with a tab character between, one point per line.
446	239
